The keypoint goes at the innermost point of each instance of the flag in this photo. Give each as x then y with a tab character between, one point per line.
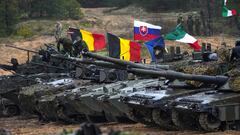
228	9
95	42
179	35
123	49
153	43
145	31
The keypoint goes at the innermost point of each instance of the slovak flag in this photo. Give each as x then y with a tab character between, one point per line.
146	31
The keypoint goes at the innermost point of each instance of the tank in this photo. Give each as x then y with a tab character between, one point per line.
148	106
40	62
65	106
29	95
99	71
12	84
111	100
8	108
93	98
212	110
125	64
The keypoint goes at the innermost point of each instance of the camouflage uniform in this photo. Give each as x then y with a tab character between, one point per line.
223	53
197	26
79	46
180	20
58	31
190	24
66	44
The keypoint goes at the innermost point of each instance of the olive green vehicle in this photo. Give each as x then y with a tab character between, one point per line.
8	108
141	85
149	106
66	106
29	96
93	100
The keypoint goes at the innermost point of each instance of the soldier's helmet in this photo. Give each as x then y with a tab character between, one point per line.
237	43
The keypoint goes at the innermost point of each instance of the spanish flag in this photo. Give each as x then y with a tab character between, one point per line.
123	49
95	42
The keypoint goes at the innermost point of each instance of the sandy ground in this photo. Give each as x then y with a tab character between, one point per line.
31	126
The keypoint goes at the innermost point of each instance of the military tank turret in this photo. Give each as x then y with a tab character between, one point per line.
66	106
94	99
149	106
112	99
29	95
217	109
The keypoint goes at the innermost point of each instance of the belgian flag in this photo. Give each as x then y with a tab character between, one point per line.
123	49
95	42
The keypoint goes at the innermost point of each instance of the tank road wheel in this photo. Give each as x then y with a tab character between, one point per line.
176	119
208	122
163	119
11	110
136	116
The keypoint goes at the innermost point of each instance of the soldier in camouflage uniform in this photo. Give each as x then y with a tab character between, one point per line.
180	20
190	24
223	53
58	31
223	58
197	26
66	45
79	45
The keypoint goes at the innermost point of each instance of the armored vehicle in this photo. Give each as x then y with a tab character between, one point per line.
94	99
217	109
40	62
29	95
111	100
148	106
8	108
66	106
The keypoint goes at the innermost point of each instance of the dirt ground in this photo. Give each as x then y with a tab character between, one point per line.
31	126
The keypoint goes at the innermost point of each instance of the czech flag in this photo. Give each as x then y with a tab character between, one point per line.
145	31
123	49
95	42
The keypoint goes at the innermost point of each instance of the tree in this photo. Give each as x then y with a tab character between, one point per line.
8	16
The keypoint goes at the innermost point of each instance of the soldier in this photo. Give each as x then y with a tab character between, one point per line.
223	53
197	26
190	24
58	31
79	45
66	45
159	53
180	20
236	51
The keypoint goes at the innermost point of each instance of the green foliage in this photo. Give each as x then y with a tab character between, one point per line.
24	31
55	8
8	16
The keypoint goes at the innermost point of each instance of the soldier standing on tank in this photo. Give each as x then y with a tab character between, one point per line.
79	46
190	24
58	31
223	58
180	20
66	45
236	51
197	26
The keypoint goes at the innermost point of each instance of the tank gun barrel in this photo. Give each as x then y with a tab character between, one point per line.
19	48
218	80
122	62
88	62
